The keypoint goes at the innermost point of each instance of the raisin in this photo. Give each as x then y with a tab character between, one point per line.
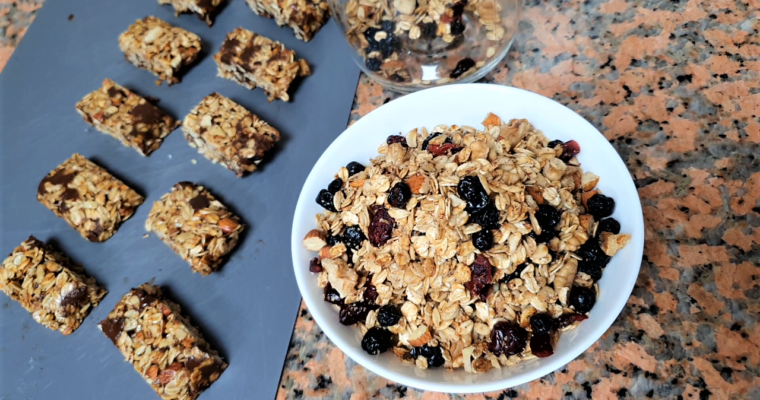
332	296
541	345
396	139
608	225
515	274
372	47
389	45
436	359
377	340
481	274
315	265
388	315
566	320
471	190
600	206
591	253
433	354
432	136
428	30
388	26
483	240
488	217
354	168
541	323
546	236
353	313
325	199
373	63
570	149
370	291
554	143
335	186
441	149
463	66
369	34
457	28
507	338
582	299
547	216
332	240
381	226
593	270
400	195
354	237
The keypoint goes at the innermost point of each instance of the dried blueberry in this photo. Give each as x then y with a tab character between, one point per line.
547	216
388	315
541	323
593	270
332	240
377	340
483	240
354	237
488	217
332	296
566	320
353	313
463	66
396	139
399	195
546	236
325	199
315	265
591	253
354	168
428	30
608	225
381	226
554	143
373	63
370	291
433	354
335	186
582	299
388	26
432	136
600	206
389	45
507	338
471	190
569	150
541	345
369	34
457	28
481	274
515	274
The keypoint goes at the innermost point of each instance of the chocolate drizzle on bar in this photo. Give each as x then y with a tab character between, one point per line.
199	202
77	298
112	328
146	299
148	115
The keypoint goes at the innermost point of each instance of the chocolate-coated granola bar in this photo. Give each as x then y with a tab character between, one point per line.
305	17
162	345
226	133
49	285
198	227
127	117
204	9
90	199
160	48
253	61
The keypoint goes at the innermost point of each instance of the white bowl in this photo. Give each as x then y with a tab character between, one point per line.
468	104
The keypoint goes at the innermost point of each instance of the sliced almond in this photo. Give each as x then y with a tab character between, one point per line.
314	240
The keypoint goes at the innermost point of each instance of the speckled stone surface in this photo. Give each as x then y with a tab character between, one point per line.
675	86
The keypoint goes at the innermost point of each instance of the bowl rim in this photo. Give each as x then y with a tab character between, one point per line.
551	363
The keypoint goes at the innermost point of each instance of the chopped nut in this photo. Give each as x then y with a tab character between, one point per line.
611	243
314	240
589	181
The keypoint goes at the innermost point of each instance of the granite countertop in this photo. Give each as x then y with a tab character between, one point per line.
675	87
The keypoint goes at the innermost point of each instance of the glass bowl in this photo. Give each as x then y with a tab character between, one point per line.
408	45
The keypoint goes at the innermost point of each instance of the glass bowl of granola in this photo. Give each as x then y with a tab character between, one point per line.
467	238
408	45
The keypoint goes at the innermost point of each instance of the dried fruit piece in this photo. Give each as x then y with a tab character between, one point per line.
488	217
426	142
373	63
566	320
481	275
388	315
353	313
570	149
325	199
507	338
381	226
541	323
463	66
471	190
377	340
400	195
608	225
314	265
483	240
600	206
396	139
554	143
354	237
541	345
335	186
547	216
582	299
354	168
332	296
514	275
433	355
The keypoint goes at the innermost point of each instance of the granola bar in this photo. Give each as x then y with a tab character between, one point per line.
49	285
253	61
127	117
160	48
90	199
305	17
204	9
226	133
162	345
198	227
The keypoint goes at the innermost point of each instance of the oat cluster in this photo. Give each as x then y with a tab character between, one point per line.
304	17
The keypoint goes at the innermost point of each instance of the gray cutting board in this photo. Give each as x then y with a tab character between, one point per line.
246	310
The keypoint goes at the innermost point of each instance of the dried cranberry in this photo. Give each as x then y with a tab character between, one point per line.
432	136
400	195
483	240
373	63
325	199
600	206
481	274
541	323
514	275
507	338
569	150
441	149
332	296
354	168
315	265
547	216
582	299
377	340
388	315
354	237
353	313
457	27
463	66
554	143
335	186
471	190
370	291
488	217
608	225
396	139
381	226
541	345
566	320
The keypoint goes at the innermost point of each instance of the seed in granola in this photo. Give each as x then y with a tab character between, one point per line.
400	195
373	63
433	354
600	206
582	299
353	313
463	66
541	323
566	320
354	168
480	277
554	143
507	338
471	190
457	27
547	216
381	226
514	275
396	139
541	345
314	265
432	136
335	186
377	340
354	237
570	149
590	252
388	315
483	240
608	225
332	296
428	30
488	217
325	199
